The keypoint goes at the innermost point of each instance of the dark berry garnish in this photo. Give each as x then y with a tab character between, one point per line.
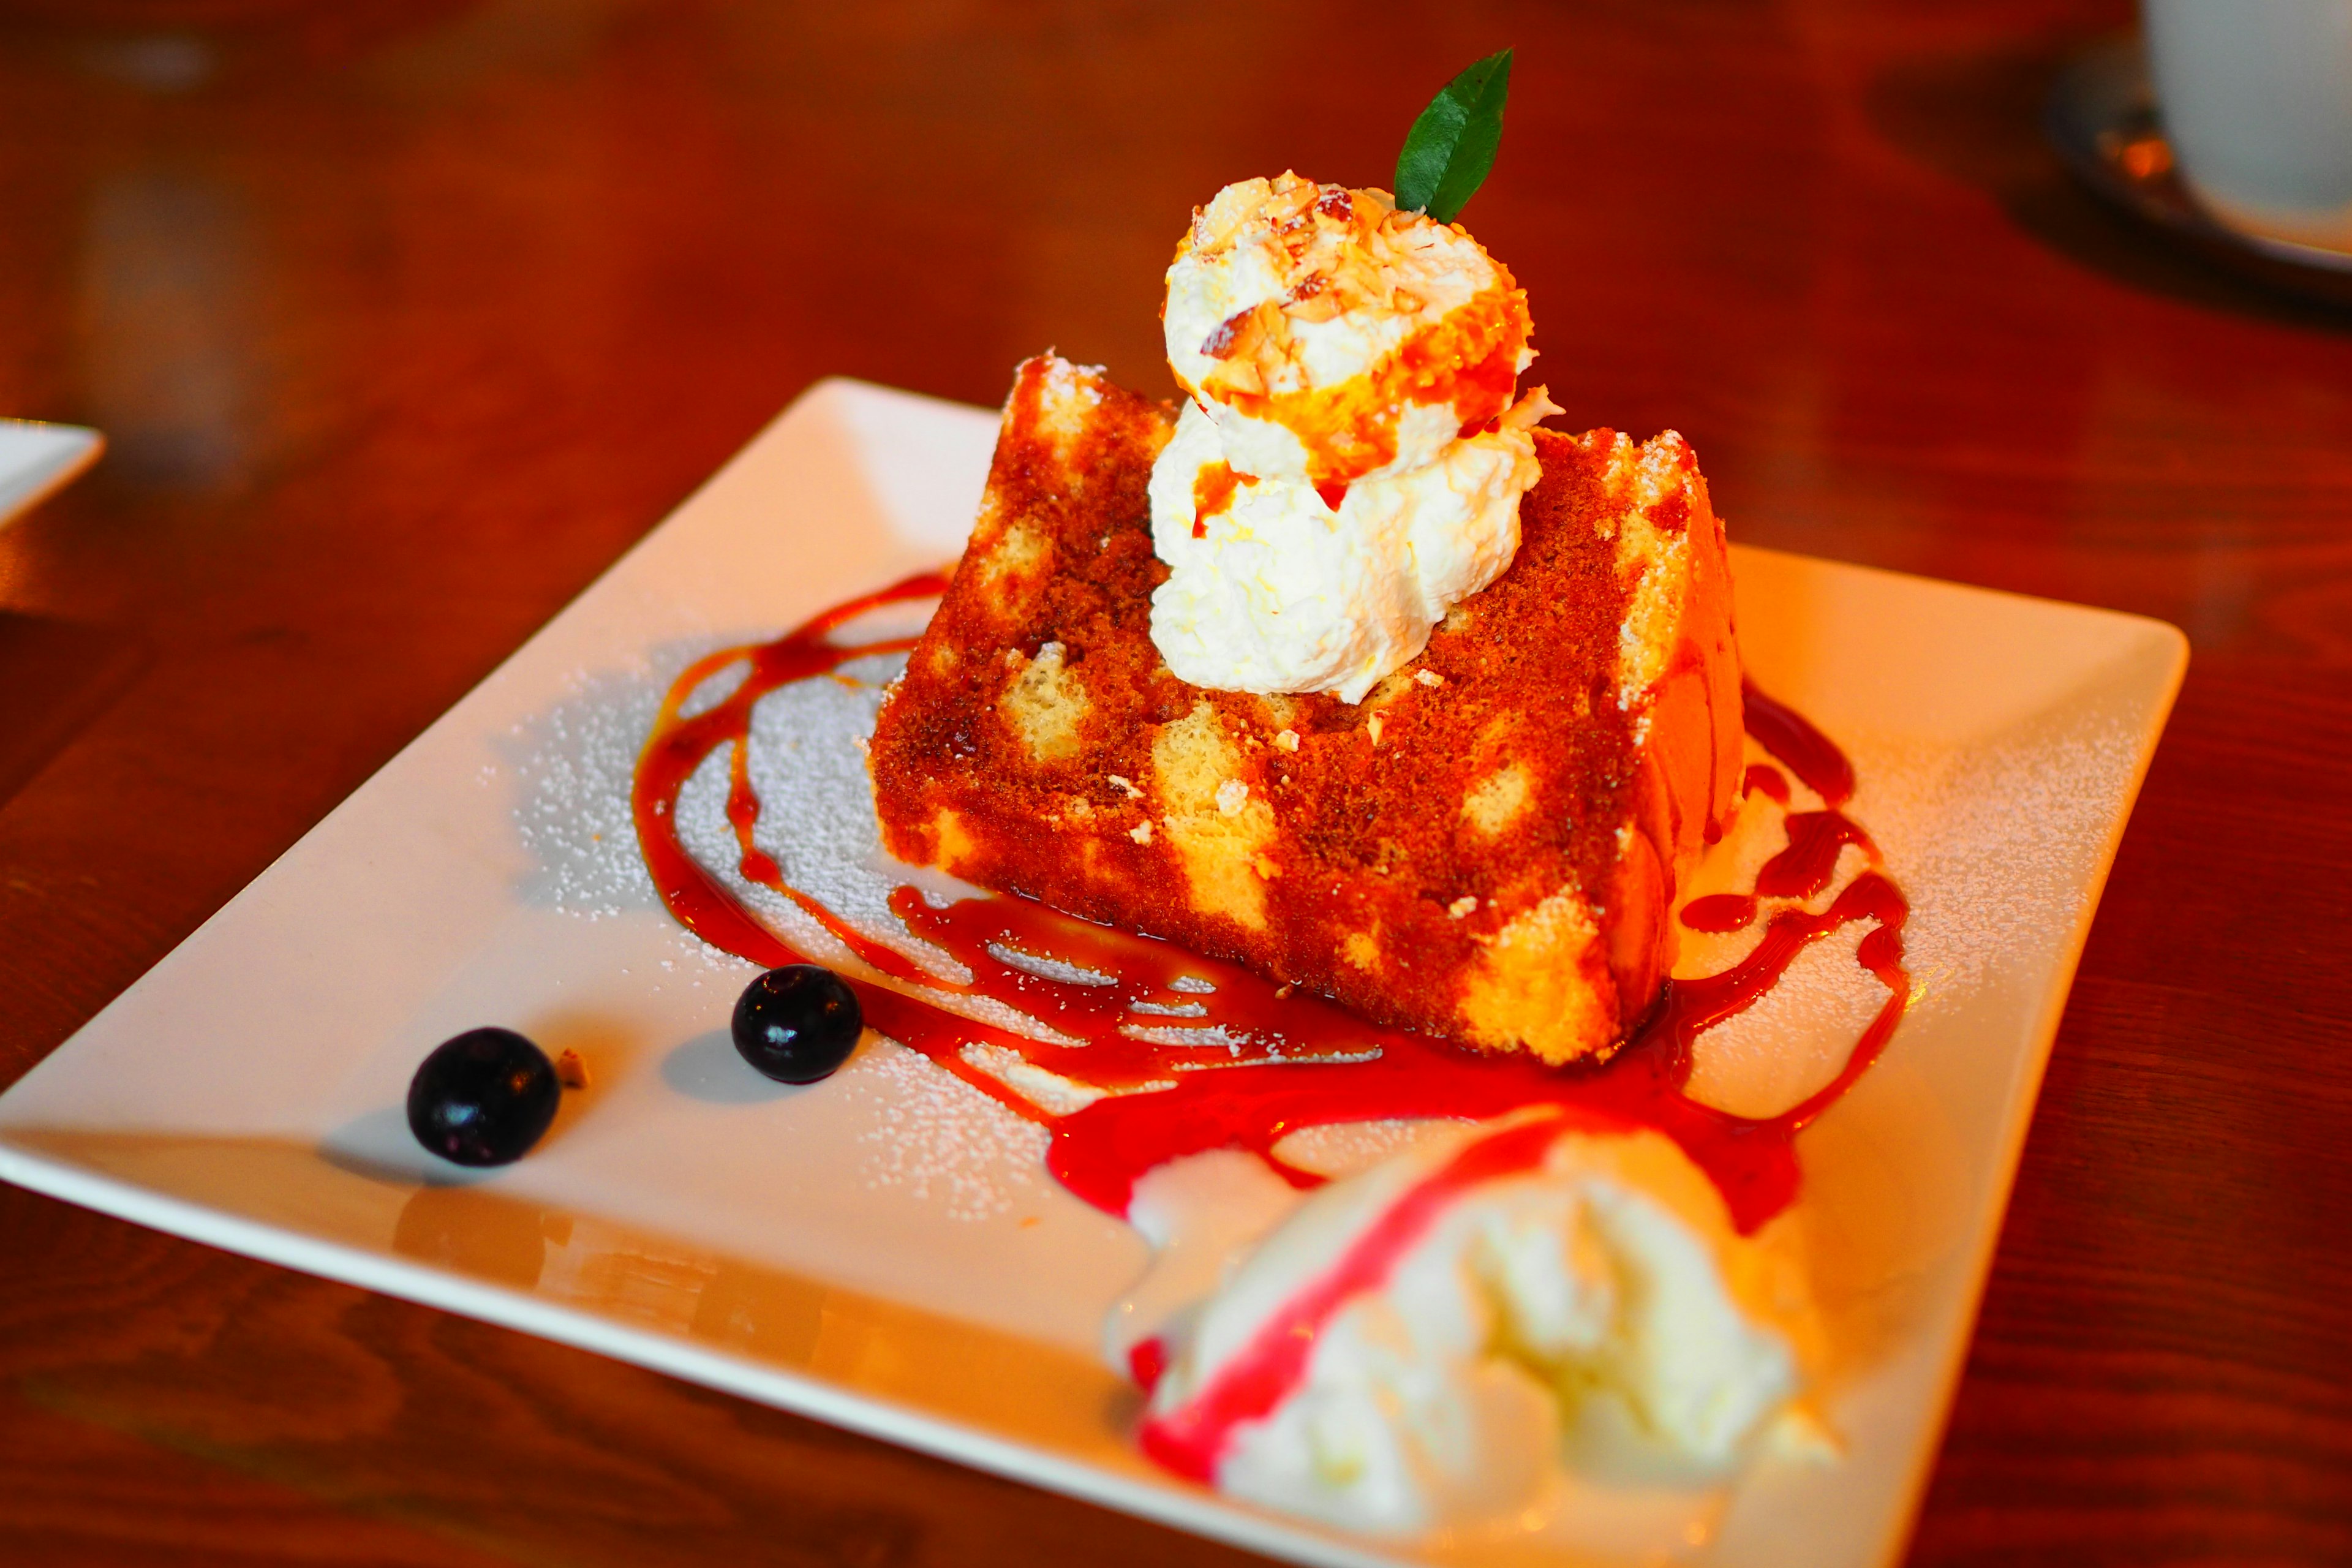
798	1022
483	1097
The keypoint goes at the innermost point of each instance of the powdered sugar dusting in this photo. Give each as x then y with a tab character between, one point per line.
931	1135
817	800
1797	1036
940	1139
816	813
570	769
1994	848
817	821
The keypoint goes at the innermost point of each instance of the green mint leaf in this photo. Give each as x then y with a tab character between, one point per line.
1450	148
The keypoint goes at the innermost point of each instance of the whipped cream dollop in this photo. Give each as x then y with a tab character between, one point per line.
1419	1344
1350	457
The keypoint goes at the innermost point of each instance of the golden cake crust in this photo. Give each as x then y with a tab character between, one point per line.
1486	847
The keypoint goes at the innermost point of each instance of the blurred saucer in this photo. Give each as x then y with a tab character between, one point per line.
2102	119
37	460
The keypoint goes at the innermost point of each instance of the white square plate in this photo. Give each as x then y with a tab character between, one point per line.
878	1253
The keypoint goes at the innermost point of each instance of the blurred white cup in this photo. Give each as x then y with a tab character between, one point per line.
2256	97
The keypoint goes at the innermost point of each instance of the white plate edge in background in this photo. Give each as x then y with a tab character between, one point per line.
46	459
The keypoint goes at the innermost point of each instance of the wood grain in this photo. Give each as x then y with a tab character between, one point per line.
405	319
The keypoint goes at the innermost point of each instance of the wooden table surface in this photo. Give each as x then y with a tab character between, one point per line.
404	320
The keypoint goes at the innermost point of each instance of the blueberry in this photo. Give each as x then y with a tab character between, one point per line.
799	1023
483	1097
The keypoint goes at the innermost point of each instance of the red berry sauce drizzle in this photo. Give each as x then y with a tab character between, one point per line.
1286	1060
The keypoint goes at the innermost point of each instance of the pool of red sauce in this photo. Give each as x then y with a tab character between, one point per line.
1288	1060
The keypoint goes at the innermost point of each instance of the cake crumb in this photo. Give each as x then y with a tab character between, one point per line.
1127	784
571	1070
1429	678
1373	727
1287	740
1232	795
1463	905
1140	833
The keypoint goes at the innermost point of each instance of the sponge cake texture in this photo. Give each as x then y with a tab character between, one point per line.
1486	847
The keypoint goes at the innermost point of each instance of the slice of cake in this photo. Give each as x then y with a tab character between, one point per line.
1486	847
